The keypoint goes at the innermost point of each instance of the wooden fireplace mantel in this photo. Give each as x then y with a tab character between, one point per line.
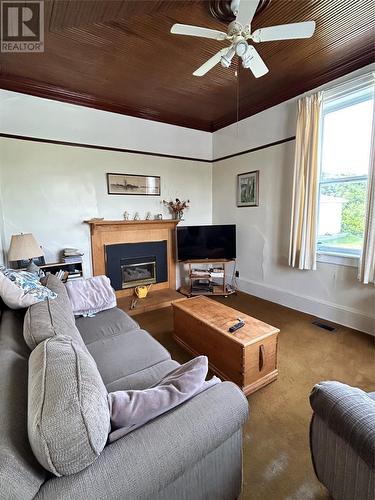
112	232
100	222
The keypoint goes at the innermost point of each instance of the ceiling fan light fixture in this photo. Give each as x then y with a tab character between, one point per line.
239	31
226	59
241	47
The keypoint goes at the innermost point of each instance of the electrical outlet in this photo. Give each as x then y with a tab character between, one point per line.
237	274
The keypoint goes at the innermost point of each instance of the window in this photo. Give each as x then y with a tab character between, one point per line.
345	151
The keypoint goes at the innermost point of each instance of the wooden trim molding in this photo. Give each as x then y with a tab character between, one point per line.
133	151
102	222
257	148
102	148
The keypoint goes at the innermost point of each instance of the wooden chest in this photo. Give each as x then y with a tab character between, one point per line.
247	357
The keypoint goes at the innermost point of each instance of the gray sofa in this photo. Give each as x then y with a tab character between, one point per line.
342	440
191	452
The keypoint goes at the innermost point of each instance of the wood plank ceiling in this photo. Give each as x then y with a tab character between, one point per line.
119	56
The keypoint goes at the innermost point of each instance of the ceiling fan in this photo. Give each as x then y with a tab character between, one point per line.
239	31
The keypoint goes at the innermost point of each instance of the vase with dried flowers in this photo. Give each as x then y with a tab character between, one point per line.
177	207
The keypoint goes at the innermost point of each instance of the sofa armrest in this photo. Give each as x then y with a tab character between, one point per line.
350	413
143	462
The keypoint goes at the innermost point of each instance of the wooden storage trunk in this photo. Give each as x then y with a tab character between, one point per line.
247	357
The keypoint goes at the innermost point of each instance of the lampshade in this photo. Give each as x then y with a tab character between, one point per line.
23	247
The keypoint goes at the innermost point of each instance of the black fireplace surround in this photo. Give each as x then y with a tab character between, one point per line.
117	255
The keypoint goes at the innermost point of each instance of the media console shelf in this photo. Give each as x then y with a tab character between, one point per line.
217	279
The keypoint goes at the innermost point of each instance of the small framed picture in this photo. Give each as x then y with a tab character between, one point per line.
146	185
248	189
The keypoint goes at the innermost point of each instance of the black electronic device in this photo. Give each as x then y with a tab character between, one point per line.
236	326
206	242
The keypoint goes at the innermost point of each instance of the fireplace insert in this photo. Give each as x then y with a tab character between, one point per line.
138	271
132	264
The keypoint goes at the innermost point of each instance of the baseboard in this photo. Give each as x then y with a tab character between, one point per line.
341	315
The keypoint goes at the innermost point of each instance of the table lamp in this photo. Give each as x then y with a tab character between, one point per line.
25	247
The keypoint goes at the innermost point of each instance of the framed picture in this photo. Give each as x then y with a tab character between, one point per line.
146	185
248	189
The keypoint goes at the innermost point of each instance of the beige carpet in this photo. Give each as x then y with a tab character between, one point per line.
277	462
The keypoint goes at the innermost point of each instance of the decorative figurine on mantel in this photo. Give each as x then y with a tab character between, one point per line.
177	207
148	216
136	216
126	215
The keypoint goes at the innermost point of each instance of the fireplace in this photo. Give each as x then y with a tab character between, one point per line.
132	264
138	271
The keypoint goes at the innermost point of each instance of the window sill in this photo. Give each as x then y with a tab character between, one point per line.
338	259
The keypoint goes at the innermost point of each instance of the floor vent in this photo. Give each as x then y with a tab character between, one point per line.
329	328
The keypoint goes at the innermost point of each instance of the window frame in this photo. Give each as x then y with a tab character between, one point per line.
325	253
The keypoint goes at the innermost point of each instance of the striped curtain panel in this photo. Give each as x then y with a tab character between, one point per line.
302	248
367	263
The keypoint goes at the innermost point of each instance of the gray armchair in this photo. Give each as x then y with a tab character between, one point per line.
342	440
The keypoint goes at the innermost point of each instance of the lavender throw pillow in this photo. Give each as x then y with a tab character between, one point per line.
132	409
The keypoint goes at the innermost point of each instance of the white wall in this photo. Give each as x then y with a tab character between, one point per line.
330	292
2	236
50	189
271	125
25	115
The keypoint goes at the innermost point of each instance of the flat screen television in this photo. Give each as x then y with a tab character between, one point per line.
206	242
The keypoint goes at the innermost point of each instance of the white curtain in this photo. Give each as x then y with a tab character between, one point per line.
303	233
367	262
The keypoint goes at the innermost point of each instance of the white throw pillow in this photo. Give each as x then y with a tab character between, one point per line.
13	296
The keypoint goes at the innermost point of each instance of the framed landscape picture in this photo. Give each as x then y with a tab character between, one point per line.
248	189
147	185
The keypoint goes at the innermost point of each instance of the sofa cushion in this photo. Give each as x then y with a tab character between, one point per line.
144	464
143	378
58	287
51	317
68	416
105	324
122	355
21	475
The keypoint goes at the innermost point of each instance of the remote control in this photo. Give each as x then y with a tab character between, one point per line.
236	326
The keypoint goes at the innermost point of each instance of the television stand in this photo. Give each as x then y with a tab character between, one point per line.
210	281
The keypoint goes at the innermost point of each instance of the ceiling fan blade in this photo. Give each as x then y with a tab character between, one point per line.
284	32
186	29
205	68
246	11
254	62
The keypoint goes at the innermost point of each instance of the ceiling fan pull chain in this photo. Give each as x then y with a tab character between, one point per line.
237	73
